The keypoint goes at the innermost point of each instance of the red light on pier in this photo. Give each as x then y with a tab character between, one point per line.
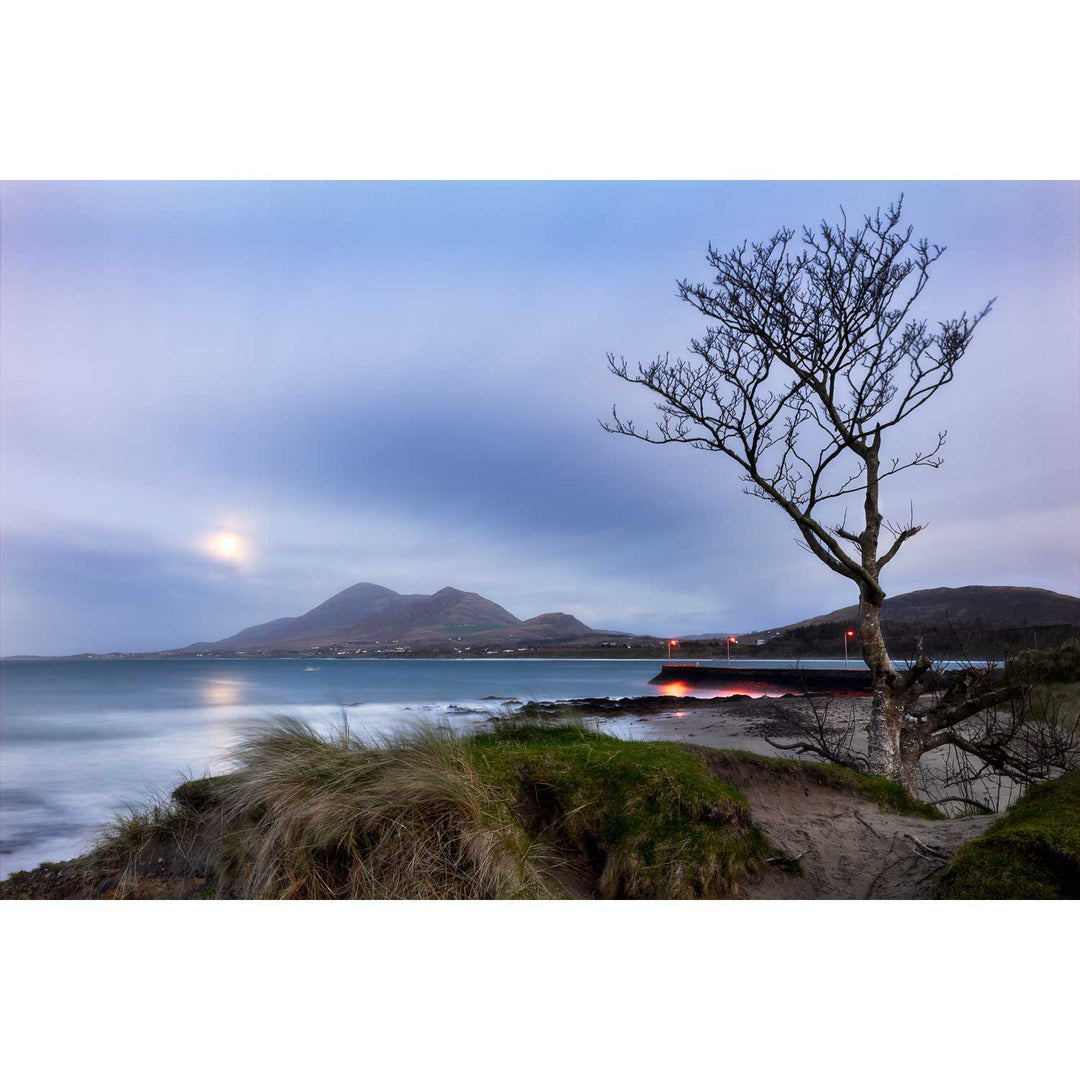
733	641
673	643
847	637
675	689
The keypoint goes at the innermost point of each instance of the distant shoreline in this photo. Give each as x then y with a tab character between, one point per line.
854	664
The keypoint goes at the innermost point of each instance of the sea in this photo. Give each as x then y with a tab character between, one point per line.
81	739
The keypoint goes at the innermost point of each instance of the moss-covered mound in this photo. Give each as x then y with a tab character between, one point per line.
521	811
1031	853
641	819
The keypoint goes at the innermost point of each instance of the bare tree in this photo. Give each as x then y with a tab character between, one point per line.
984	759
811	356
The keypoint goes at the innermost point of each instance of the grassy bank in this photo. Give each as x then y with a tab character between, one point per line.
1031	853
532	807
520	811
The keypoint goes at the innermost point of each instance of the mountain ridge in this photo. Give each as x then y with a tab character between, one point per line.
453	622
366	613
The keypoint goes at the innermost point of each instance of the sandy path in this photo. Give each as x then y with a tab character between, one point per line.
848	848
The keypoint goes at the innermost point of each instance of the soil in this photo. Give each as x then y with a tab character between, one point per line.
846	846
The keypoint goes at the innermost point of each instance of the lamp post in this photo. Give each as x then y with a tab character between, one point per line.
672	642
730	641
849	634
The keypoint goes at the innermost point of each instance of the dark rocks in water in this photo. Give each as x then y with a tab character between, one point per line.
649	705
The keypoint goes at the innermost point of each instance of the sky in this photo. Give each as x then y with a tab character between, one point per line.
223	402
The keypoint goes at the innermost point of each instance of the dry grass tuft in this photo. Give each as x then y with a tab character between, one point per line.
308	817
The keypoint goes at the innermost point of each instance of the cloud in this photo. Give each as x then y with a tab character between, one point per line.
401	383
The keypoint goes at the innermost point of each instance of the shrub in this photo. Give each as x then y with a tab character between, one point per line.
1031	853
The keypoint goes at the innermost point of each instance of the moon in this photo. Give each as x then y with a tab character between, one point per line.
227	547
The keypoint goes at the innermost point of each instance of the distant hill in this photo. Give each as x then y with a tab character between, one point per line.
988	606
557	624
367	613
992	606
986	621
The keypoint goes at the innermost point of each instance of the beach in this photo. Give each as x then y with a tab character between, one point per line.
84	739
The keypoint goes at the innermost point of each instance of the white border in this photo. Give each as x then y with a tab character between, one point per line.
581	89
538	989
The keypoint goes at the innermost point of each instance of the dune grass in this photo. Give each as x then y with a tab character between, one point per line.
1031	853
522	810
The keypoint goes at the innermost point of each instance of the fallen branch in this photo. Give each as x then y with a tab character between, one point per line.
962	799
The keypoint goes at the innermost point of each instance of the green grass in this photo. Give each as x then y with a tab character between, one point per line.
649	818
1031	853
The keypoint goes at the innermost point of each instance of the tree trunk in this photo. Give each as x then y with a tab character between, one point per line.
886	711
887	755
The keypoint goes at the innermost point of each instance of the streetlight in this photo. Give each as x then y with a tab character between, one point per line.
730	641
672	644
849	634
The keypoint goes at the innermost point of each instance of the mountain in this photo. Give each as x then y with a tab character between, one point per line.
992	606
366	613
343	610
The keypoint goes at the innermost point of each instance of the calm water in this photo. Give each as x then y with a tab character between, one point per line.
81	738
